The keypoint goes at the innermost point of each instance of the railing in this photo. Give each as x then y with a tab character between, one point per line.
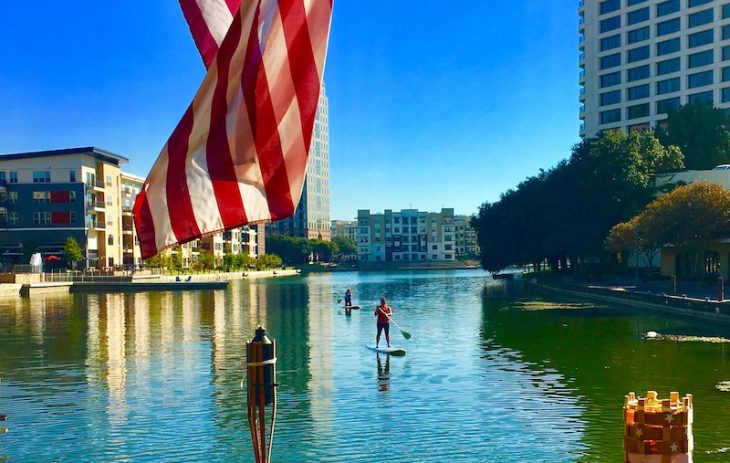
96	224
99	185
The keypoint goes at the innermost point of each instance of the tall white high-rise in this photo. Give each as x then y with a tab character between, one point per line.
312	216
640	58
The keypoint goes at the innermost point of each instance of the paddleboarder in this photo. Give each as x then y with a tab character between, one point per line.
383	312
348	297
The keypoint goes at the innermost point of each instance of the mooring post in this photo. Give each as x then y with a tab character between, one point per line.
673	283
261	392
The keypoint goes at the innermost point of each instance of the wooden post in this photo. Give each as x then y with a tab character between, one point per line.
261	392
673	282
658	431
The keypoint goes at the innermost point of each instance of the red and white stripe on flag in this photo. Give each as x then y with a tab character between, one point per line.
209	20
239	154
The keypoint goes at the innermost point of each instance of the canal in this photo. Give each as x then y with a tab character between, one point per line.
160	376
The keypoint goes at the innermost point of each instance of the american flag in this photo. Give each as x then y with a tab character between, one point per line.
239	154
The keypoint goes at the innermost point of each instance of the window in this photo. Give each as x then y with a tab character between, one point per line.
613	115
41	218
41	176
13	177
638	16
667	86
702	58
110	242
702	97
668	46
13	218
2	178
72	196
611	61
700	18
639	110
700	38
725	74
726	53
638	54
668	66
72	176
691	3
668	7
72	217
635	2
611	42
108	180
664	106
725	95
726	11
638	92
609	80
610	24
638	73
667	27
699	79
726	32
609	6
638	35
41	196
12	197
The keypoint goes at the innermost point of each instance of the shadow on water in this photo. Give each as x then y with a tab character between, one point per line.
383	373
601	353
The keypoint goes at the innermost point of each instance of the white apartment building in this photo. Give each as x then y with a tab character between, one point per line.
344	228
406	236
640	58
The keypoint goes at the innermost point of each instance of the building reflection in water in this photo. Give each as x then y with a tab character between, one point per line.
141	313
116	375
321	384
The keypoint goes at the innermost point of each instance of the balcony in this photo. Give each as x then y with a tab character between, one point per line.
127	212
128	249
96	225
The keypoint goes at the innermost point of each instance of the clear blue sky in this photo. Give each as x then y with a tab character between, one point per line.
432	103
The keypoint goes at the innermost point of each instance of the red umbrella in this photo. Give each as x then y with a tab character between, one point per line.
52	259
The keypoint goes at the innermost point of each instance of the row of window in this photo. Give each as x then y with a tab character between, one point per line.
662	28
662	106
696	80
662	48
39	176
668	46
669	66
662	9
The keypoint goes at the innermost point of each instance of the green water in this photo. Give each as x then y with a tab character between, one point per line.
158	376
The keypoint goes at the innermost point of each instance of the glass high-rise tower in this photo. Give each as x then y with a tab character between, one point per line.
312	216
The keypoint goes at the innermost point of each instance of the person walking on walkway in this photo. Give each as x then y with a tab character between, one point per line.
383	312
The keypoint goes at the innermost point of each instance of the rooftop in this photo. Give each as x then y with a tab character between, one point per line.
98	153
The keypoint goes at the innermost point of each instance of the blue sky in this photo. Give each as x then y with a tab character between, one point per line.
432	104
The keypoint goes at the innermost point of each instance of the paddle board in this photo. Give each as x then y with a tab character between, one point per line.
398	351
353	307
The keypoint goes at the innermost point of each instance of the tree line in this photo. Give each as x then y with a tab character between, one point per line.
563	215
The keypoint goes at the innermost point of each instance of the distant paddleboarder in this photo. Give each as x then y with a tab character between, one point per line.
383	312
348	298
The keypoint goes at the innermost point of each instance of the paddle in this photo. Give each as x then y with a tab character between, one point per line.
405	334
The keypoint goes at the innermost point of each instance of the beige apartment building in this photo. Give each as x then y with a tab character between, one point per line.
49	196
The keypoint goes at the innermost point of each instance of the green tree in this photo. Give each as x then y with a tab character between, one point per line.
688	217
564	214
346	246
701	131
206	260
72	252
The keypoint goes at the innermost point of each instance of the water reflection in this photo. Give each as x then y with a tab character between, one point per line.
383	373
157	376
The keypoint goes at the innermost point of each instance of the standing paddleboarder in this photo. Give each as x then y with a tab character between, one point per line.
383	312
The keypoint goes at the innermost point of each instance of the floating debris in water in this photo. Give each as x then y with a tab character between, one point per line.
723	386
545	305
682	338
722	450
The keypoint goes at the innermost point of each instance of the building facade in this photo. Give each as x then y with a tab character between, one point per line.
48	196
312	216
406	236
640	58
344	229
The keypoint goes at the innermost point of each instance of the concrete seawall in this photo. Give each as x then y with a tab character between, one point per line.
712	311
